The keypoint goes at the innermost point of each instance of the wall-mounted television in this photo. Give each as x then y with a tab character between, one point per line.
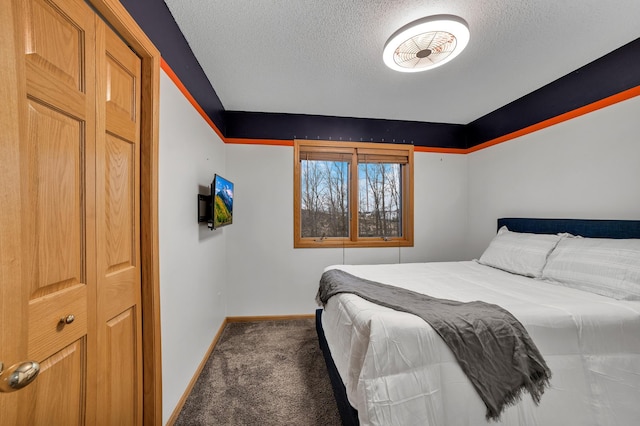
222	202
216	209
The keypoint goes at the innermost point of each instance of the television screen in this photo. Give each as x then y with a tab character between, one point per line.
222	202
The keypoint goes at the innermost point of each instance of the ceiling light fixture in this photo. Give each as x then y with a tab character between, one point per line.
426	43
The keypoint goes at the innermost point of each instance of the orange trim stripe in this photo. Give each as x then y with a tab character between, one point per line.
280	142
439	150
167	69
602	103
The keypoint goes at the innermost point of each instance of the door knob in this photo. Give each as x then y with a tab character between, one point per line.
18	375
68	319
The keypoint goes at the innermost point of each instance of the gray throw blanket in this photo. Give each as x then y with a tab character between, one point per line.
492	347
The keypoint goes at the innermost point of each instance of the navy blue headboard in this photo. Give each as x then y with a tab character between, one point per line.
593	228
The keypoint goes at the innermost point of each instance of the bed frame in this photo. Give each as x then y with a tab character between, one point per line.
592	228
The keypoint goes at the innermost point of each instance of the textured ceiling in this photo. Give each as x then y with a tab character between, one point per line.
325	56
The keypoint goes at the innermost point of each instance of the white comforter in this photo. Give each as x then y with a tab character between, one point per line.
398	371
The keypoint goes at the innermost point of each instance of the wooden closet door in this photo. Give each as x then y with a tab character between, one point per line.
70	240
57	174
118	230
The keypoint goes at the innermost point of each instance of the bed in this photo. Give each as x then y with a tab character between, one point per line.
392	368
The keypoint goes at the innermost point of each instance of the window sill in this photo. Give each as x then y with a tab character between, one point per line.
362	243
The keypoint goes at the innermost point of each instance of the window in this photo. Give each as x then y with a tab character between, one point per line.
352	194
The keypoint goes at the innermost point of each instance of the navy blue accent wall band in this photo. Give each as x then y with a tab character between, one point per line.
606	76
252	125
157	22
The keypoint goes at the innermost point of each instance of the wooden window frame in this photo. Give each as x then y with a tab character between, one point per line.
379	151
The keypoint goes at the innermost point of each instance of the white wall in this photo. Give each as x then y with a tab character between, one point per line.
267	276
441	204
588	167
192	258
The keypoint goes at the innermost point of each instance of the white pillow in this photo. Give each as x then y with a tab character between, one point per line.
519	253
609	267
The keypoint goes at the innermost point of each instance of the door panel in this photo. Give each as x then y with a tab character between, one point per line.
58	235
47	333
123	347
118	230
61	383
123	89
55	41
55	162
119	204
56	48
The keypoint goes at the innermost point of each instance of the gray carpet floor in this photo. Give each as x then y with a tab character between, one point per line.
263	373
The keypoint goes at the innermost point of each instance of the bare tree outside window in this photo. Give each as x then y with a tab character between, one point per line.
379	203
324	199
